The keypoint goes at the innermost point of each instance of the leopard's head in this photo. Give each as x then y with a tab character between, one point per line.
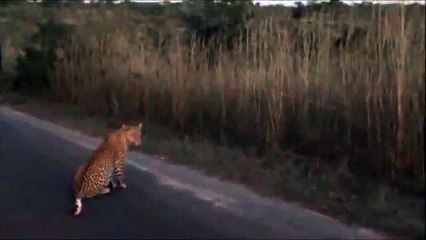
133	134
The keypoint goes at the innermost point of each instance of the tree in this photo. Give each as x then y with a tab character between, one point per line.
211	18
32	68
109	2
5	3
299	10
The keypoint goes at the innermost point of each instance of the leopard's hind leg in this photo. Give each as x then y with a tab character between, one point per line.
109	178
78	199
104	190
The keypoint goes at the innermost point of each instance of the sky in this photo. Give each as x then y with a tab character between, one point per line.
292	3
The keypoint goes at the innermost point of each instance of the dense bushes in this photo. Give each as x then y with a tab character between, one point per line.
39	57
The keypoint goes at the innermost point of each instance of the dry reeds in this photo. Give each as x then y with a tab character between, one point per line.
284	86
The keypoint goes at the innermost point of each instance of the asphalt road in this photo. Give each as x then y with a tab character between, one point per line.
36	198
38	160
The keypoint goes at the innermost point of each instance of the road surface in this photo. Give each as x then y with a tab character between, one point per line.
36	199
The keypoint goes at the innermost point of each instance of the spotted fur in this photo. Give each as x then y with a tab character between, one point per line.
105	166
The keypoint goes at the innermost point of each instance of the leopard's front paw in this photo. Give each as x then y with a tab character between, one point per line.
121	183
114	184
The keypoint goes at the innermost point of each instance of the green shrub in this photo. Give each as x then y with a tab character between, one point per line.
38	58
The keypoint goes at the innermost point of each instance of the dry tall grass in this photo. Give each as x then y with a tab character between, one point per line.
286	86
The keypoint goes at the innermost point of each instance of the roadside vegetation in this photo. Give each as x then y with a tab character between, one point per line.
322	104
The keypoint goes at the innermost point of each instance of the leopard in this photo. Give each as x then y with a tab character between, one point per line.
105	165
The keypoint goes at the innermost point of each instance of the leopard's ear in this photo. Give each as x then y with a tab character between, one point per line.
124	126
140	125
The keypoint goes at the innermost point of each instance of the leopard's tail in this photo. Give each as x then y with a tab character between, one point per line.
78	203
77	186
78	206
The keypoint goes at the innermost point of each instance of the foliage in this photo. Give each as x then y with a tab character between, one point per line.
210	19
39	57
